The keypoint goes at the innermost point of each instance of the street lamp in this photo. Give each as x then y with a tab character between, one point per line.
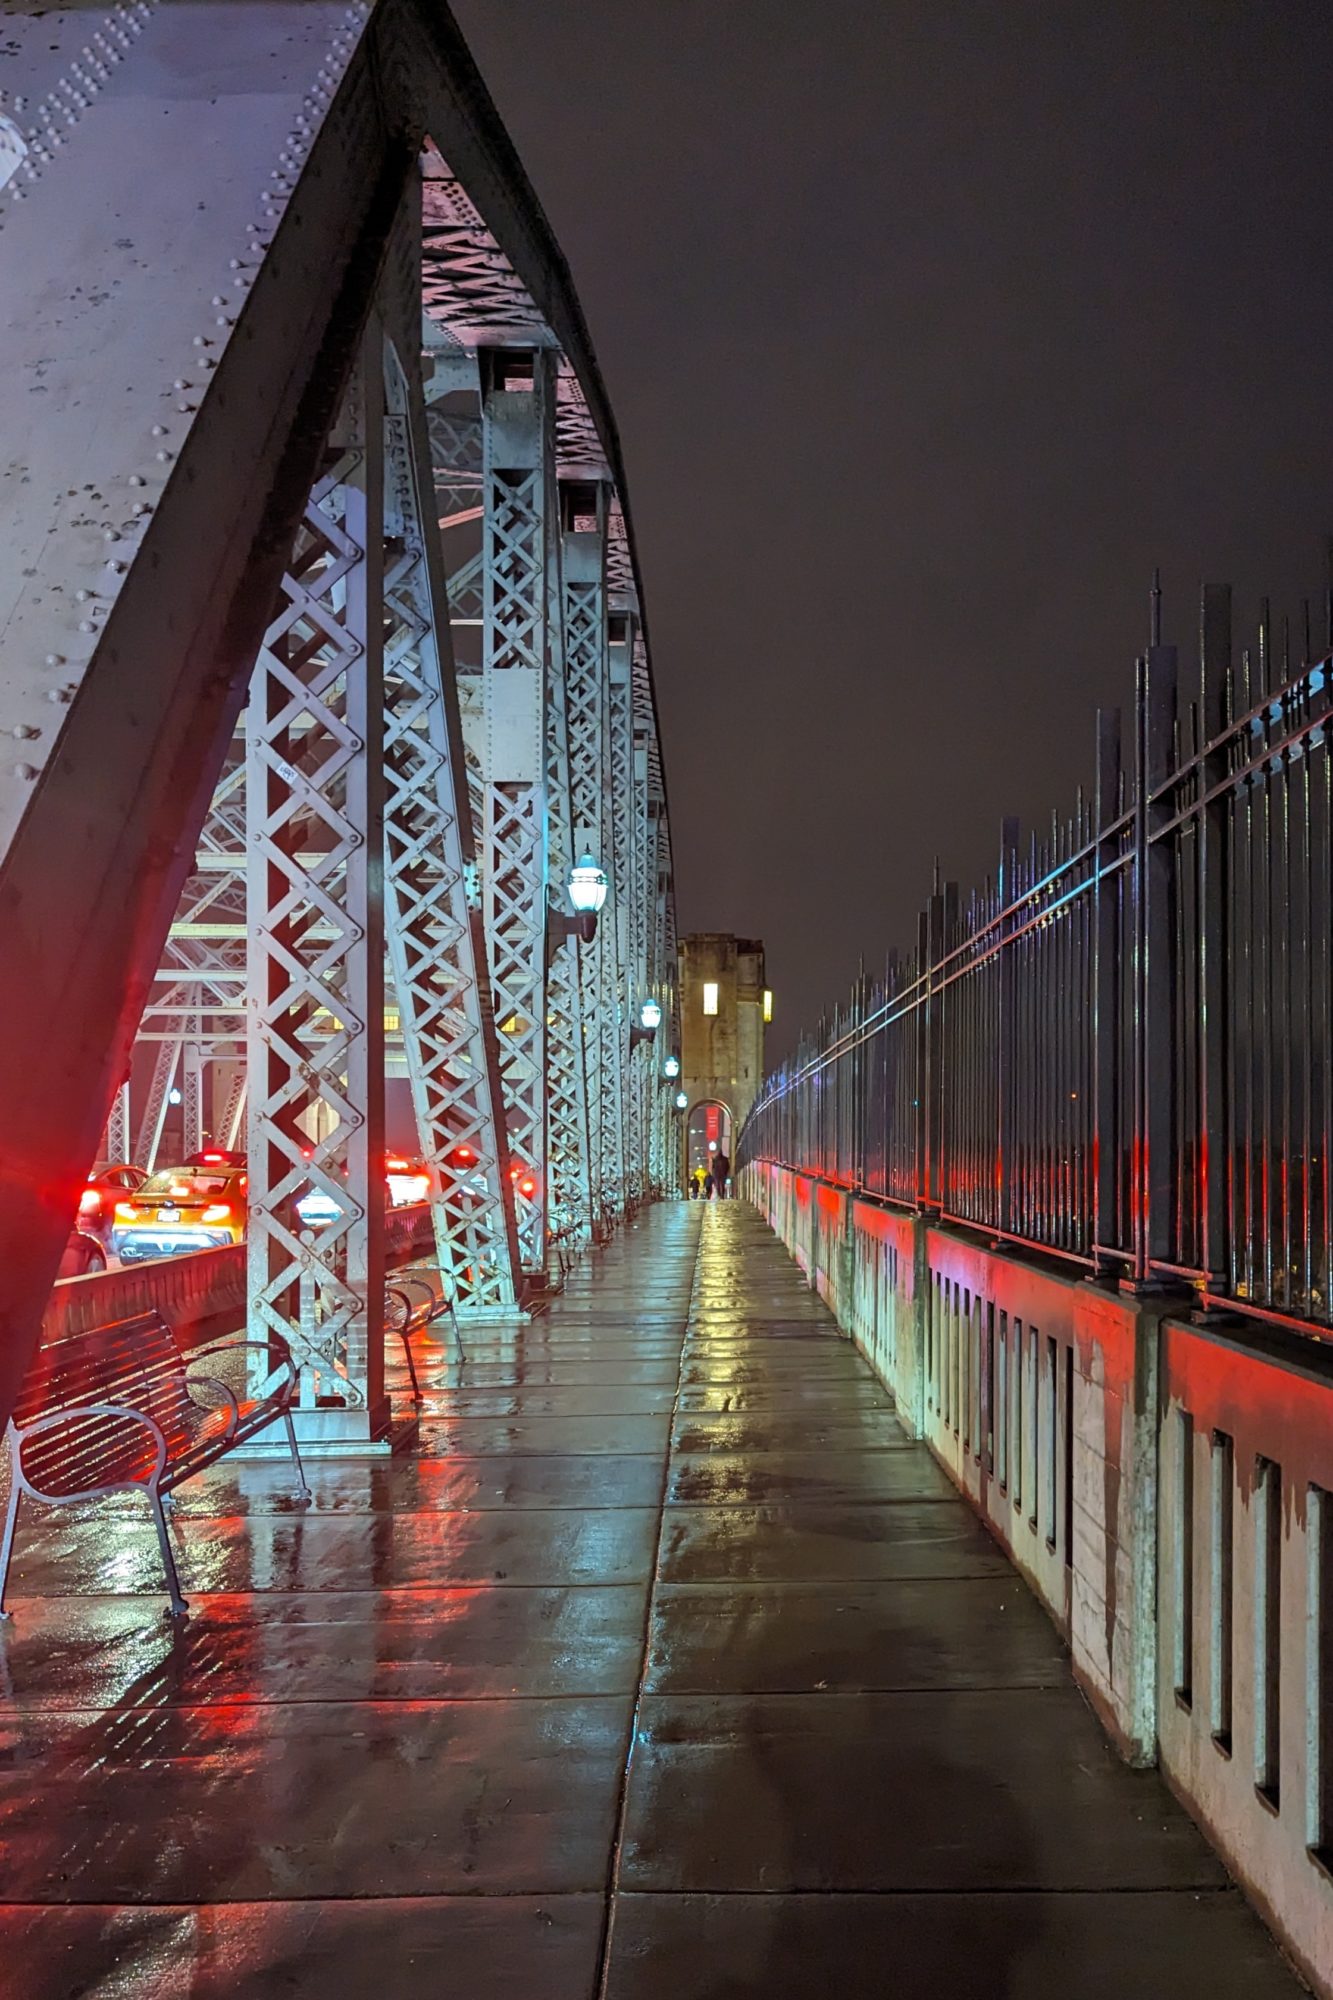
681	1100
587	892
587	885
649	1021
671	1067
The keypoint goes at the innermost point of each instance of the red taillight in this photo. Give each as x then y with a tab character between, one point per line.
209	1159
465	1156
125	1211
89	1201
217	1211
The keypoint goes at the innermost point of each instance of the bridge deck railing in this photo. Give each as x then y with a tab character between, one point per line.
1117	1049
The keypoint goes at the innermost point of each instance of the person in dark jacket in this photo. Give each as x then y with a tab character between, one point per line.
721	1175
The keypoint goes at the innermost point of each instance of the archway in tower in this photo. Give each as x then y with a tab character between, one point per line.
709	1134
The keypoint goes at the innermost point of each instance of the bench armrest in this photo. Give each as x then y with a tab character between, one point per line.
77	1413
224	1388
432	1304
277	1350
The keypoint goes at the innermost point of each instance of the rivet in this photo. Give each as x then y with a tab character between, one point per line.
164	457
110	535
139	507
199	340
82	596
25	770
136	479
218	299
86	625
159	430
55	659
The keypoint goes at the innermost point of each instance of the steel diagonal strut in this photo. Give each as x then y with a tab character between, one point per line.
213	228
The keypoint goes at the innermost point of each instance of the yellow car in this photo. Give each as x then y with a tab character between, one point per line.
184	1208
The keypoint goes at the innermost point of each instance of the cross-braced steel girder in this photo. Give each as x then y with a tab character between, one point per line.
141	560
315	828
436	941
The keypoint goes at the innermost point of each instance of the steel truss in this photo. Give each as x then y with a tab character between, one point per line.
587	687
436	943
315	826
247	940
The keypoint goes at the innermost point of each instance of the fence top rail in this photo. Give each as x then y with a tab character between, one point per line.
1103	851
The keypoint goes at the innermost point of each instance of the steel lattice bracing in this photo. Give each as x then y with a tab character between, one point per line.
315	809
587	690
313	699
437	948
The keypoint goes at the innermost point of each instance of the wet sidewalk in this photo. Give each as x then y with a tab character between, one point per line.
673	1521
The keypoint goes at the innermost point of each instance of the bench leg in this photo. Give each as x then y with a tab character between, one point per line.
7	1546
303	1493
179	1608
458	1336
406	1338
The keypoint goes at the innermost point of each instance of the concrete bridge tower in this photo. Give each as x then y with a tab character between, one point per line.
724	1005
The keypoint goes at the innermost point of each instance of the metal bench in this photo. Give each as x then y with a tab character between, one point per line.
123	1409
412	1302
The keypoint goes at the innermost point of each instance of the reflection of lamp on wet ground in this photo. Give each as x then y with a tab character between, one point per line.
649	1021
587	892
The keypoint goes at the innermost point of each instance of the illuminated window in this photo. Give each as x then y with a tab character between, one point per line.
768	1005
710	996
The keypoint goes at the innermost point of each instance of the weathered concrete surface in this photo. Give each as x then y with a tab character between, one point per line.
387	1757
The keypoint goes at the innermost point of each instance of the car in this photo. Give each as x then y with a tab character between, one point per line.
106	1186
82	1256
181	1209
408	1180
405	1181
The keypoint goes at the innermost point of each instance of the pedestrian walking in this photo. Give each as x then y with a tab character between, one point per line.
721	1175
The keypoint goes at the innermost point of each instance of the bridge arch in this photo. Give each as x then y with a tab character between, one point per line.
347	411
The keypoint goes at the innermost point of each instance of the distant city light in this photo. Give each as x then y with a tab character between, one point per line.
768	1004
710	996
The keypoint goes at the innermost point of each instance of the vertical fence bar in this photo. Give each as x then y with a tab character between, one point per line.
1215	1161
1154	886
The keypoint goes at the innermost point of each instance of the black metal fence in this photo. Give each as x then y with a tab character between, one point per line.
1118	1050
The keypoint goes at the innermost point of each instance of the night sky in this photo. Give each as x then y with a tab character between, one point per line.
929	329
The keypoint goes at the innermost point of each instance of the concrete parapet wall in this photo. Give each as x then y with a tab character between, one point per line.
1245	1673
202	1295
1132	1465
